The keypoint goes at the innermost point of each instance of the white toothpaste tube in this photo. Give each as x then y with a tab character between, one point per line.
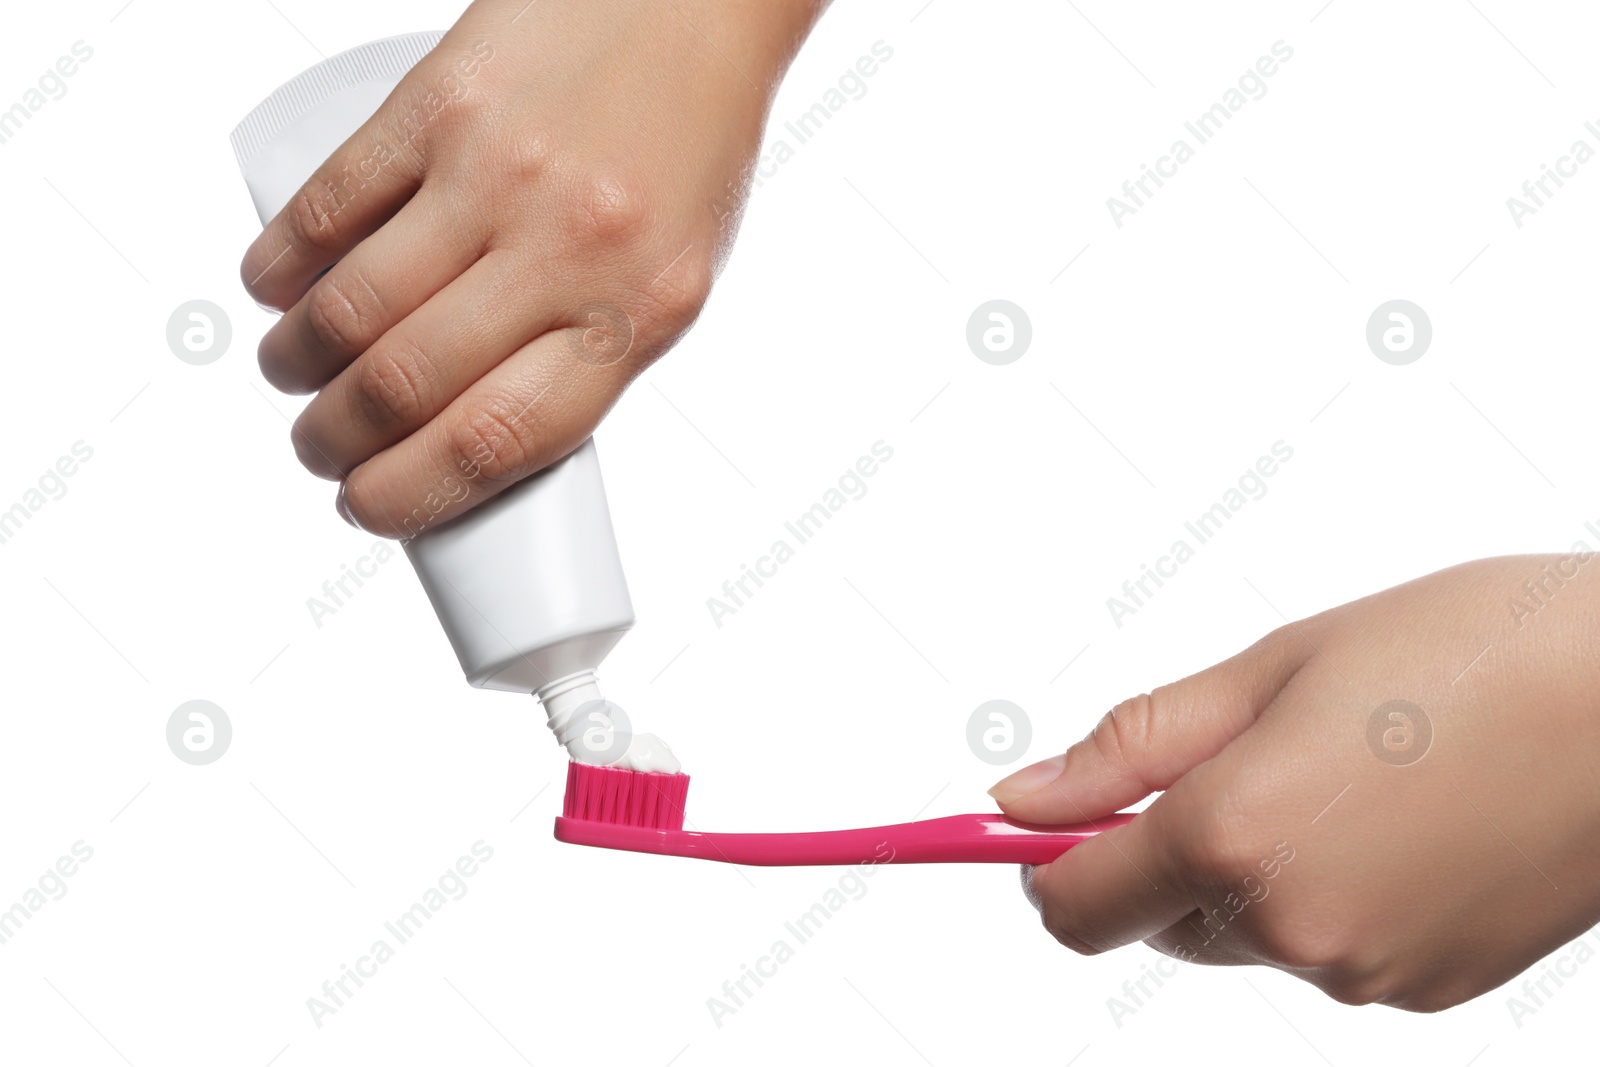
528	585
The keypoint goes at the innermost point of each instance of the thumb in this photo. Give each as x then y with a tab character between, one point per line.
1145	744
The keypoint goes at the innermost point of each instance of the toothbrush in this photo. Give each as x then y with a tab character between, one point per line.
609	807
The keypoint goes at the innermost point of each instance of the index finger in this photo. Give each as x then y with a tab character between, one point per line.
353	193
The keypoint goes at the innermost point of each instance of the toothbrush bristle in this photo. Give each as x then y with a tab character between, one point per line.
629	798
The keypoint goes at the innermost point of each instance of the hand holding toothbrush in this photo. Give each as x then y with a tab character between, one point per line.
1396	800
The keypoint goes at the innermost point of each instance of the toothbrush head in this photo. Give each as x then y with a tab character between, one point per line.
646	799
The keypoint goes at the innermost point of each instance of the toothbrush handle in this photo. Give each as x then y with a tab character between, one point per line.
953	839
981	839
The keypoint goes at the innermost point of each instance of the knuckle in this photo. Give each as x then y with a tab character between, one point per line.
416	112
1357	971
311	218
677	294
1297	641
391	385
1279	642
409	122
1426	1001
1216	856
1373	987
526	161
492	445
1296	946
1124	730
608	209
337	318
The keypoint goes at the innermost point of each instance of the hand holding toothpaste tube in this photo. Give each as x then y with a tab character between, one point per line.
1396	800
534	215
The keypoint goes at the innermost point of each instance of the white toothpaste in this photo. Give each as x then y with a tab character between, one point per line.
596	731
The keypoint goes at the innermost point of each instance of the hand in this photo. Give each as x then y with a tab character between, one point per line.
534	216
1304	829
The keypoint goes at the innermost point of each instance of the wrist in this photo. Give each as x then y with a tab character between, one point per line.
758	37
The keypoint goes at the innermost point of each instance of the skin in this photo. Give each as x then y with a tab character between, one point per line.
496	277
1419	885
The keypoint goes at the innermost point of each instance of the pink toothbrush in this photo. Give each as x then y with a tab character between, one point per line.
606	807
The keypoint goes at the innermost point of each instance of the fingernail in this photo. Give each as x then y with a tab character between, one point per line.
343	507
1028	780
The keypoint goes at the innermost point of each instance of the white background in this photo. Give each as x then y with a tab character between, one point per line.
1226	315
